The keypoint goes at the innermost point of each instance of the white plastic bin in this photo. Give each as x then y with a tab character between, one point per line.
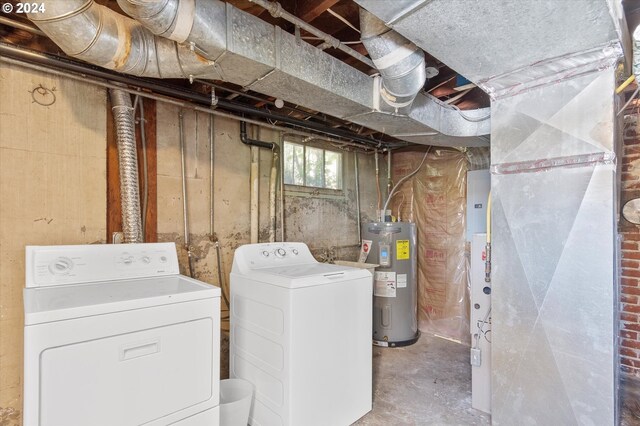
235	402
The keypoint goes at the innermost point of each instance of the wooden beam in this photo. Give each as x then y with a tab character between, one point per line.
308	10
114	211
151	219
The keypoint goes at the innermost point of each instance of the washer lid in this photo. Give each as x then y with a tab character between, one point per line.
56	303
306	275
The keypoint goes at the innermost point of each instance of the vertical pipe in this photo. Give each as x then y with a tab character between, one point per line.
281	187
487	262
212	236
272	194
378	213
358	219
255	191
185	215
128	165
388	173
145	170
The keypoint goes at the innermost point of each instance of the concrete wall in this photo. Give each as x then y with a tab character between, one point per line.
53	191
325	221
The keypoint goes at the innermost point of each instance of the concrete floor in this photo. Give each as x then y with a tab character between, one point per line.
428	383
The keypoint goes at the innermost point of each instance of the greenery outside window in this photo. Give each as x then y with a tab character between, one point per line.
313	167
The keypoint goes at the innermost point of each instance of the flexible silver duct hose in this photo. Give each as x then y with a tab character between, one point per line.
128	164
400	62
101	36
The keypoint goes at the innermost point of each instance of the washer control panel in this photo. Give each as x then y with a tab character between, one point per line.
62	265
267	255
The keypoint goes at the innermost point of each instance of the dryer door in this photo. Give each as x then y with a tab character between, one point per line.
128	379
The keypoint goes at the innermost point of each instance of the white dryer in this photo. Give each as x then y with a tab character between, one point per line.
114	335
301	333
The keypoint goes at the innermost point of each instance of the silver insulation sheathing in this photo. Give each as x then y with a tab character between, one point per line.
128	165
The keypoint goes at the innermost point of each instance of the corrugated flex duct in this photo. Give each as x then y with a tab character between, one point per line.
128	165
214	40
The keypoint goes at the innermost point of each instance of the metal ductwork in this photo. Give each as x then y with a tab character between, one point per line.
128	165
98	35
214	40
400	62
500	47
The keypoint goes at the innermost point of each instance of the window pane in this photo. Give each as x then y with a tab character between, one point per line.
293	164
315	167
333	170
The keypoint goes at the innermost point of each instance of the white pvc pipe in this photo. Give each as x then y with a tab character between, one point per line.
273	179
255	192
281	165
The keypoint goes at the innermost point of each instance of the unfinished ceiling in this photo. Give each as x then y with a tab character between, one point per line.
500	47
358	114
251	56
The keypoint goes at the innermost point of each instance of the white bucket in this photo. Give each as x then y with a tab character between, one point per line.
235	402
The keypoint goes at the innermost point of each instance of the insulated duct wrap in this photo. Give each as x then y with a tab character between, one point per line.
128	165
555	319
435	199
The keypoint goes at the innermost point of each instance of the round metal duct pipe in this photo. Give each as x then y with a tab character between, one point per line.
400	62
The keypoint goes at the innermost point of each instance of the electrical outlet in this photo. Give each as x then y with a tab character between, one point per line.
476	360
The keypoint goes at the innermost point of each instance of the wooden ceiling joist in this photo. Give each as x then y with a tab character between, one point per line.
308	10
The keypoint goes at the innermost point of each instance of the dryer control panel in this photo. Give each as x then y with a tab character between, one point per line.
77	264
269	255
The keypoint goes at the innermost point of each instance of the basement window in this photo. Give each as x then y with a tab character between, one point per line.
312	167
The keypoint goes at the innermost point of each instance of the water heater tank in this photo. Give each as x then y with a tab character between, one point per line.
395	294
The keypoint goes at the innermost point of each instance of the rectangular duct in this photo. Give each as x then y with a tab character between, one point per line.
229	44
554	277
492	38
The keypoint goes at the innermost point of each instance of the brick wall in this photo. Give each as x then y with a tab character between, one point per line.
630	281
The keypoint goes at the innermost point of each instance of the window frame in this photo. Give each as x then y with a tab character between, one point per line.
308	190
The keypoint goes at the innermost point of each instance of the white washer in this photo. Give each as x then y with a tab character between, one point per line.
114	335
301	333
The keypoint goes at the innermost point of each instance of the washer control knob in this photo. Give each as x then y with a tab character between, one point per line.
126	258
61	266
265	253
281	252
163	259
294	251
146	259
